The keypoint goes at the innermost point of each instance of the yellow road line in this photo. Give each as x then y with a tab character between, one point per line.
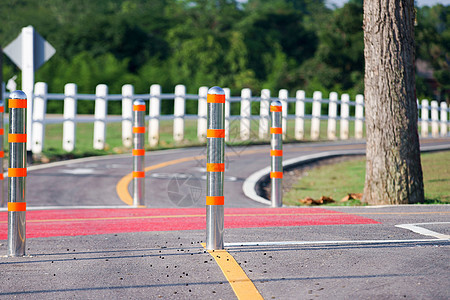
122	185
242	286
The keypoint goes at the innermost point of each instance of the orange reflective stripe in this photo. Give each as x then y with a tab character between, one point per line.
17	172
2	154
276	130
17	206
138	152
2	131
215	133
139	107
217	167
2	109
17	103
214	98
17	138
276	174
215	200
138	174
1	176
138	129
276	152
275	108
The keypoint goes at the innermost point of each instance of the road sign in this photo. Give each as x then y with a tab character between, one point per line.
29	51
42	50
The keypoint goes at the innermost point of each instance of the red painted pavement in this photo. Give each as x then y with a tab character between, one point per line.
74	222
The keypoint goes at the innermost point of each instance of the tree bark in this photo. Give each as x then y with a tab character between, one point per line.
393	168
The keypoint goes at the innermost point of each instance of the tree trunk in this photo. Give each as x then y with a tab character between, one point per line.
393	168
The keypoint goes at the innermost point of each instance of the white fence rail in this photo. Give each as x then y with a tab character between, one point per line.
435	116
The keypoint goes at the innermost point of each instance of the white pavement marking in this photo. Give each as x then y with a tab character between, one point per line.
413	227
420	230
78	171
293	243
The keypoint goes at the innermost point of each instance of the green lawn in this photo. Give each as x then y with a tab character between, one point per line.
338	180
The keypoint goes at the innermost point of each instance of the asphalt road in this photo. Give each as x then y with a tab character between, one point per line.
93	181
313	253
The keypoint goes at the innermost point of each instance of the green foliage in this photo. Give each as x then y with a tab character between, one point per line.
291	44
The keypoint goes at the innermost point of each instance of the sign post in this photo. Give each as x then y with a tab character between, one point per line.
29	51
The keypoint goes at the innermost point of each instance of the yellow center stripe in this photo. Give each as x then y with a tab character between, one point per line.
242	286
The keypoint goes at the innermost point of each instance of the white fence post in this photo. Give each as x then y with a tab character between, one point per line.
127	115
154	113
264	114
101	108
178	113
424	118
40	107
345	113
434	119
227	113
246	106
202	114
283	95
300	115
70	112
359	116
315	120
444	118
332	114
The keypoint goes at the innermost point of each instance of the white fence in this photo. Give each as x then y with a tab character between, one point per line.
438	121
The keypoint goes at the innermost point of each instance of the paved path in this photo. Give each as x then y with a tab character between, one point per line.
153	253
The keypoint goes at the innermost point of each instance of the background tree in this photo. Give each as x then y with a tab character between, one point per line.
393	168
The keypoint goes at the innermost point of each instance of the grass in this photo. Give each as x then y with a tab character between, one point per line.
338	180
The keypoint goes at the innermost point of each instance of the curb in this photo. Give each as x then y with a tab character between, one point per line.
250	184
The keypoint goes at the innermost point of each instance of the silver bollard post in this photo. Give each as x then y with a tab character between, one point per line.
17	172
2	150
276	154
138	152
215	167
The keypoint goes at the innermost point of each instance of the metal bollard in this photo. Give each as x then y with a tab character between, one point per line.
138	152
215	167
276	154
2	152
17	172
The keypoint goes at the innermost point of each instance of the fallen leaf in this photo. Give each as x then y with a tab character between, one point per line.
356	196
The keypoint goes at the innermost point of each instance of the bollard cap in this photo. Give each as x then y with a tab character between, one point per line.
138	102
17	95
275	103
215	90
